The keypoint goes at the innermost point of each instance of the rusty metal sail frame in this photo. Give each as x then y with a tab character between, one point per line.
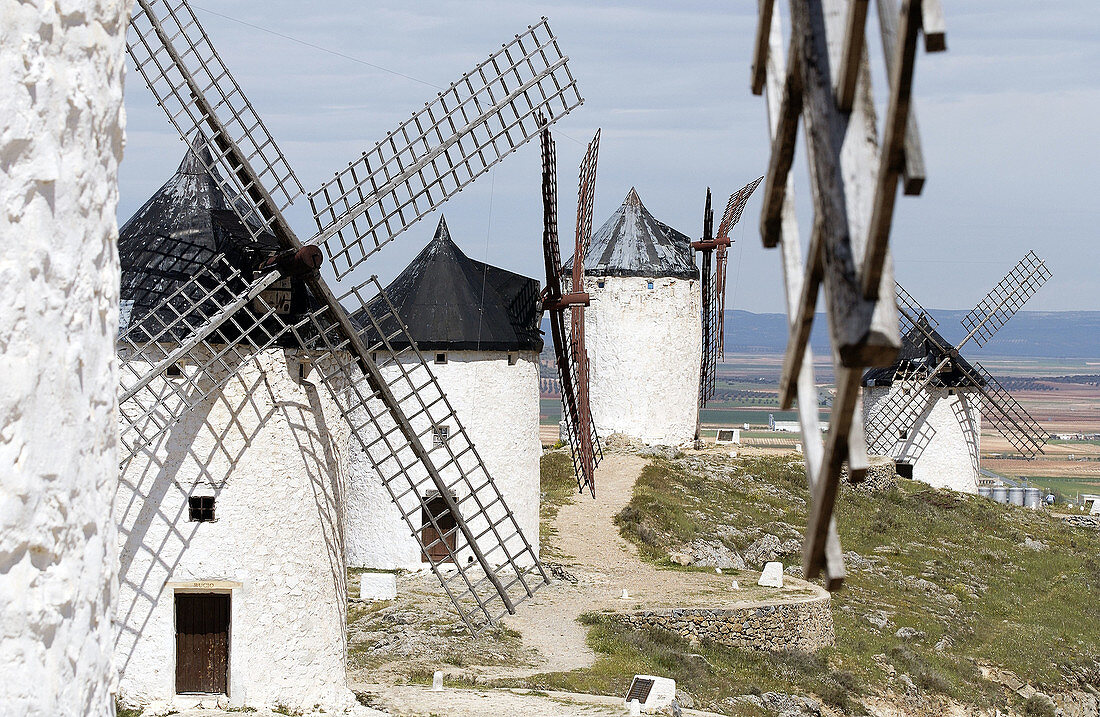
225	315
570	354
713	285
903	408
826	83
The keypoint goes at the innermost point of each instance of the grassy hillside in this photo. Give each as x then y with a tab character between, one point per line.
968	583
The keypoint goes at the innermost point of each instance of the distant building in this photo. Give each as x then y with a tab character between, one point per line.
643	329
936	438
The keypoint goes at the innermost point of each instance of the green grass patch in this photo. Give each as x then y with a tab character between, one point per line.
712	674
558	486
952	567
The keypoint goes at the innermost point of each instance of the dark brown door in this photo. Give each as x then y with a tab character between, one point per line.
429	536
202	643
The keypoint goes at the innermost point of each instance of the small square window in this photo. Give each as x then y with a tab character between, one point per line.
512	358
649	285
174	371
903	434
200	508
441	358
440	434
600	283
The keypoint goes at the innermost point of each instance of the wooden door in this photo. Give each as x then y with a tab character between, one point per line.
202	643
428	534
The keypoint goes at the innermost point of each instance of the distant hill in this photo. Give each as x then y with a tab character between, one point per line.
1033	334
1030	334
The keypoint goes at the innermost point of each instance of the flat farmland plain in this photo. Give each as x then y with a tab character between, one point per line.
1063	395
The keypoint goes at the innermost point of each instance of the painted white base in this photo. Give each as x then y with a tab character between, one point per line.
644	349
498	404
943	444
378	586
61	137
268	448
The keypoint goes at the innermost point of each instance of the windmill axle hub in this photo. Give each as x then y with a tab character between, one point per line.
296	262
708	245
579	298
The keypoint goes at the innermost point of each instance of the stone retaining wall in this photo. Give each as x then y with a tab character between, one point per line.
806	626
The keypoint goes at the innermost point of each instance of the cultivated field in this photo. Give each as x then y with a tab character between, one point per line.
1062	394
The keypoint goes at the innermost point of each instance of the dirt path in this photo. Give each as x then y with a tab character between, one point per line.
605	565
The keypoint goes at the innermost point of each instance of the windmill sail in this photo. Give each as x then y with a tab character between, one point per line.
570	356
709	301
468	128
714	284
175	57
1006	298
184	72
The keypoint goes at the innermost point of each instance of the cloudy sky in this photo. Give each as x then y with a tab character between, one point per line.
1008	118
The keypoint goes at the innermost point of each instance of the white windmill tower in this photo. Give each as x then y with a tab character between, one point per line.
643	328
478	326
232	334
925	410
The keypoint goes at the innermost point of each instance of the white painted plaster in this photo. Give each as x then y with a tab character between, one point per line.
378	586
270	449
944	442
644	350
498	404
61	71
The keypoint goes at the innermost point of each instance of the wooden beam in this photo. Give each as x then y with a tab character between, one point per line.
914	158
824	492
861	335
790	251
934	26
850	54
892	152
760	50
782	155
857	444
801	321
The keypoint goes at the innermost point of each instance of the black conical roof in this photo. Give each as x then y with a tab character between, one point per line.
920	349
452	302
183	226
633	243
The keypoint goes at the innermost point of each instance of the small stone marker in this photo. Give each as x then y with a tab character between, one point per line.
772	577
625	595
378	586
437	681
734	586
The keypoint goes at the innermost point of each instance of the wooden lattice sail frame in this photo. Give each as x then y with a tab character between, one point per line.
826	82
570	355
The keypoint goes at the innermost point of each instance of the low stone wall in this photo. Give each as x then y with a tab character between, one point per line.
806	626
882	475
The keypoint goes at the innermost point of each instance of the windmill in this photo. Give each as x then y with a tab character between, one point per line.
569	352
713	287
226	313
902	402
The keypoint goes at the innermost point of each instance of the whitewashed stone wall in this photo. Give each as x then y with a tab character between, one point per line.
499	406
644	348
945	443
269	448
61	135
